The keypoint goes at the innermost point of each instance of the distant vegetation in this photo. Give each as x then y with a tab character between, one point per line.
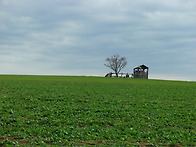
116	63
65	111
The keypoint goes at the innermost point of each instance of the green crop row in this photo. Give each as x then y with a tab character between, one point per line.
85	111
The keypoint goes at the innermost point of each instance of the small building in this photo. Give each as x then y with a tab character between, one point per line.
140	72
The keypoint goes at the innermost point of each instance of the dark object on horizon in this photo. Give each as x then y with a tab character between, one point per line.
141	72
120	75
109	74
116	63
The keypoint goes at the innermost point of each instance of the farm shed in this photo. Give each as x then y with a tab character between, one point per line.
140	72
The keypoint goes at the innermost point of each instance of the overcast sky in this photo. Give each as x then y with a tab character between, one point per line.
73	37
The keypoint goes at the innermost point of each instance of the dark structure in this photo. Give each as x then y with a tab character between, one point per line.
140	72
120	75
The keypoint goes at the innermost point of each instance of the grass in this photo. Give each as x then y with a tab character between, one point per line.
85	111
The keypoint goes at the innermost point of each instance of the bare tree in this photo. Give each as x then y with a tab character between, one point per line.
116	63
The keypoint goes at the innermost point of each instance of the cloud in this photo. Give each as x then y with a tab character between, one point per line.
70	37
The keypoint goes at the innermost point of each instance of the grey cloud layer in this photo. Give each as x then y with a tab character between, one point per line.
78	35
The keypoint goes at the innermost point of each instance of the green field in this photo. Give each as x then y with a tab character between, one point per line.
85	111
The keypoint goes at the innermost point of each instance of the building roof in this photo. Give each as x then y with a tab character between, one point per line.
141	67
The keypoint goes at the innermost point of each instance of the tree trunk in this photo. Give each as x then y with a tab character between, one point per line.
116	74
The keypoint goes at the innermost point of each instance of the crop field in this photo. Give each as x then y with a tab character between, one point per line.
95	111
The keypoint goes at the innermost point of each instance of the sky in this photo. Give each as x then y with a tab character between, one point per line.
74	37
